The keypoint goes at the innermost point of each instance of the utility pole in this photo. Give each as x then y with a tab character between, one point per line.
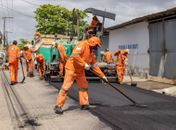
6	36
1	46
4	29
0	37
77	24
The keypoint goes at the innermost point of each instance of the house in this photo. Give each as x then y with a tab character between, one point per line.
151	40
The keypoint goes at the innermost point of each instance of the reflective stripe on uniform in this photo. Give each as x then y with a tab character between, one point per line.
75	55
64	90
78	48
94	65
83	89
13	56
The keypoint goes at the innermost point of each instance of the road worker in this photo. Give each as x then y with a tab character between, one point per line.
82	58
94	26
94	22
41	65
37	37
27	54
102	56
68	47
108	56
122	62
38	43
62	58
13	56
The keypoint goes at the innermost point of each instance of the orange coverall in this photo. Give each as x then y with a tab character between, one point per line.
28	57
13	54
122	60
108	57
93	24
62	60
75	71
41	64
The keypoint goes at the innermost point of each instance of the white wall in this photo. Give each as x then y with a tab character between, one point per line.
136	38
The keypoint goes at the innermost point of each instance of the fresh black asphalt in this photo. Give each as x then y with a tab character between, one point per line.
116	110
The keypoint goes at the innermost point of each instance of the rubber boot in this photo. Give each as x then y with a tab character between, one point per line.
85	107
58	110
12	83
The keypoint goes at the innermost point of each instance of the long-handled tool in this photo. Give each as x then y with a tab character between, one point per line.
22	71
132	82
130	99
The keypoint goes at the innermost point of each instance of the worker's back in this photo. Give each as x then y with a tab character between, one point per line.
27	54
108	56
81	49
62	53
13	53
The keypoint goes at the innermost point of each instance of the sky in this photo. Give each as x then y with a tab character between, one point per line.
22	25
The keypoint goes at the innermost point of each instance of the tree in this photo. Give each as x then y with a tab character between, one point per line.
78	23
53	19
22	43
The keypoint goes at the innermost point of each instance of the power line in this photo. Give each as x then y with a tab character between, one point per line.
31	3
4	29
2	9
8	14
7	4
26	15
12	16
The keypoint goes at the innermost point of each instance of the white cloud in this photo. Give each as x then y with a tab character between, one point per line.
24	27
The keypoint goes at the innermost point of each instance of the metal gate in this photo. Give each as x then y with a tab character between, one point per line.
162	48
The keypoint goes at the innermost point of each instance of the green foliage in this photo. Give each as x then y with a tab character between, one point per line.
22	43
53	19
78	17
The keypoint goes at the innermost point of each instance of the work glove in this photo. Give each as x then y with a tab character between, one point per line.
87	67
104	80
6	64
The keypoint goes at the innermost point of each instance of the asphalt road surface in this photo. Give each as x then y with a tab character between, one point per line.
115	109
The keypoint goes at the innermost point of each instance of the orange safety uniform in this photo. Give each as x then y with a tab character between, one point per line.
28	57
93	25
122	60
13	55
62	60
41	64
74	68
108	57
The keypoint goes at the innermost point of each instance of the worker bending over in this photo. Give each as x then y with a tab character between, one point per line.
62	58
41	65
122	62
82	58
13	56
108	56
27	54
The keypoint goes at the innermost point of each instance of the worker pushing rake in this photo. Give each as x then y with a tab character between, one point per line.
121	64
134	103
74	70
